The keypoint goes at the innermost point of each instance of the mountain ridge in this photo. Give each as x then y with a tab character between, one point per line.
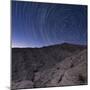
62	44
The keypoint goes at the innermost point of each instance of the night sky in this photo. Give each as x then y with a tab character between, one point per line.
42	24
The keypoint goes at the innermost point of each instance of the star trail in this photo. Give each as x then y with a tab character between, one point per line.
36	24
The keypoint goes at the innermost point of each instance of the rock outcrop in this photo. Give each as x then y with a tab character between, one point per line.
59	65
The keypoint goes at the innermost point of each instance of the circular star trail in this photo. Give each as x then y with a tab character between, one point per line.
37	24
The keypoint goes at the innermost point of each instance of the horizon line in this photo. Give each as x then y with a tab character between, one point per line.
48	45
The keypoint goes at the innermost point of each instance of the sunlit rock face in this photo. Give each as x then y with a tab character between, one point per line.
57	65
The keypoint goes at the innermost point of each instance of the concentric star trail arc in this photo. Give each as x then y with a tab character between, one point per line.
36	24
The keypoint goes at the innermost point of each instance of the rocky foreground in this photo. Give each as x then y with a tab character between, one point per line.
58	65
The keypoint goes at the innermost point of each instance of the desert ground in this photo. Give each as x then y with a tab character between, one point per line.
50	66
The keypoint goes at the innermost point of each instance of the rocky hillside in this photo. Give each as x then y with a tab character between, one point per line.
57	65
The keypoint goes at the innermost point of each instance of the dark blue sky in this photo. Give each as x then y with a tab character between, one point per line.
41	24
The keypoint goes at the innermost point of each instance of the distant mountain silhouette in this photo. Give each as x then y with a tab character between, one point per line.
39	67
